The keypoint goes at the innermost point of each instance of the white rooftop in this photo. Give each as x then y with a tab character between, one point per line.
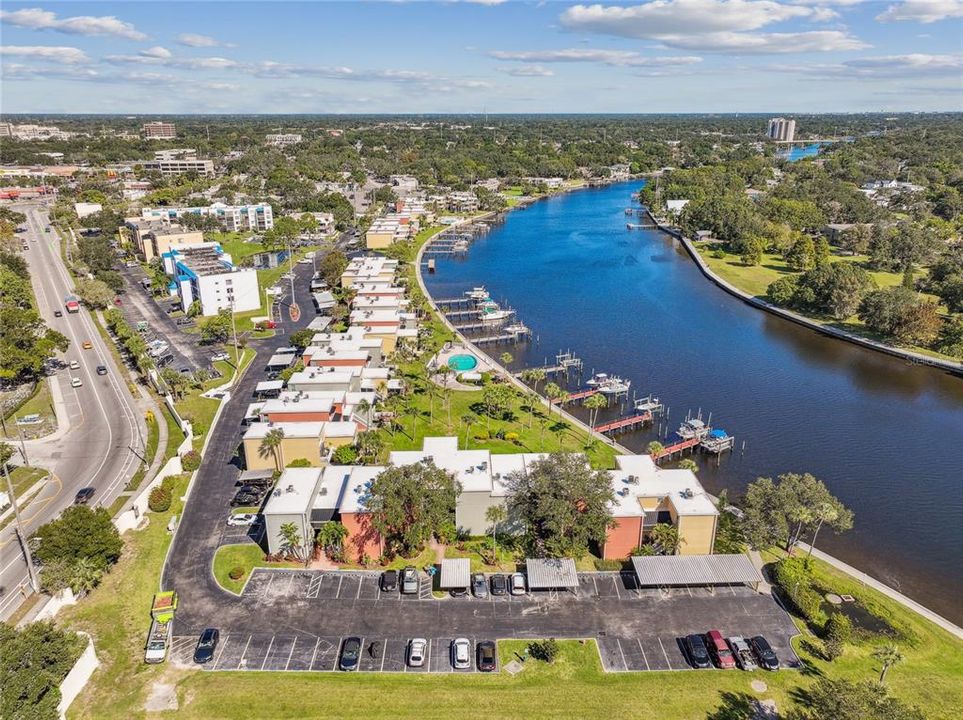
291	429
681	487
294	492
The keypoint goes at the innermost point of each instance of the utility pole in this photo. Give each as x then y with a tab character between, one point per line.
31	570
237	355
23	445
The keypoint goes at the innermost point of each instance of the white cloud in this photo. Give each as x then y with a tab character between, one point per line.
922	11
529	71
39	19
201	41
725	26
162	56
54	53
916	66
156	52
607	57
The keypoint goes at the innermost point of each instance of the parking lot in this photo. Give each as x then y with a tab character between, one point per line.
309	653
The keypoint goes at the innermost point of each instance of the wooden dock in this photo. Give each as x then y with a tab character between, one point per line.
624	424
576	396
677	446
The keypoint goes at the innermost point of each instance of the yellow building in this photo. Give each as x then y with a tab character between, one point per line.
311	441
153	238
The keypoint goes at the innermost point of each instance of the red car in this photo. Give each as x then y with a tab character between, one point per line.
719	650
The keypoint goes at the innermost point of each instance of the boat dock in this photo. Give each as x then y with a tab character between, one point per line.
649	404
678	445
576	396
513	333
624	424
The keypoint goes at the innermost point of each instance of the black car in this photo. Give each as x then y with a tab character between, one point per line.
389	581
83	495
499	585
695	649
204	652
486	656
764	653
245	498
58	313
350	652
101	369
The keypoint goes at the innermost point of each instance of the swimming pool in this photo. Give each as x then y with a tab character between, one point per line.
462	363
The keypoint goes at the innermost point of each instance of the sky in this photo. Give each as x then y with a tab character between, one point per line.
475	56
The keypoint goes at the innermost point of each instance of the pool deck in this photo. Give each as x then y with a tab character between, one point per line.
451	380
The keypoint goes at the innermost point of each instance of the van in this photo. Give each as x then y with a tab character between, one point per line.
719	650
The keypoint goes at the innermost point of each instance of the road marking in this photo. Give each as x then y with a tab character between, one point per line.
358	594
268	653
384	654
664	653
314	588
290	654
596	586
314	654
340	580
240	661
619	643
615	581
337	652
643	654
221	652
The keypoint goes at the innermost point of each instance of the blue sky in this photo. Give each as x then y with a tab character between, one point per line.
342	57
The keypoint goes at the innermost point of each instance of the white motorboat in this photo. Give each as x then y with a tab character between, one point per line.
597	380
478	293
614	386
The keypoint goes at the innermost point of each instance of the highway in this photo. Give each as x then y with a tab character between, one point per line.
102	434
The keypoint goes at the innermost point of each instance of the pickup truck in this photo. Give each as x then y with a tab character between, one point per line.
161	627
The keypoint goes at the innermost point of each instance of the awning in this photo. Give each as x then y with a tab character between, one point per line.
247	476
664	570
551	573
455	573
269	386
281	360
319	324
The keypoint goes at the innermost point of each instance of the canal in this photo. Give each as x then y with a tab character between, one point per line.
885	436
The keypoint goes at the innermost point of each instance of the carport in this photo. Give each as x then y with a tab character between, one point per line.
551	574
455	574
269	388
254	476
696	570
280	360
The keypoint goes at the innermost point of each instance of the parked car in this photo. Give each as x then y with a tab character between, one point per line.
101	369
417	648
764	653
74	365
206	644
58	313
518	584
350	653
499	585
76	382
409	581
695	649
719	651
242	519
220	357
745	660
165	360
486	656
245	498
83	495
479	585
389	581
461	653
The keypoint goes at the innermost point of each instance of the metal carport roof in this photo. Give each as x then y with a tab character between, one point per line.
281	359
550	573
455	573
662	570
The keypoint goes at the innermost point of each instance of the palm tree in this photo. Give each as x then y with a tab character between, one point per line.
496	514
506	358
888	655
654	448
271	445
331	537
554	393
534	400
291	539
364	407
85	575
534	376
369	444
688	464
595	403
468	419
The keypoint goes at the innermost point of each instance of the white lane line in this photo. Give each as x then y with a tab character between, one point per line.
268	653
240	660
615	581
619	643
596	585
643	654
337	652
358	594
664	653
290	654
340	580
221	651
314	654
384	654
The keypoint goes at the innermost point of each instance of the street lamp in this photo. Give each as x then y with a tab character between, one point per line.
21	536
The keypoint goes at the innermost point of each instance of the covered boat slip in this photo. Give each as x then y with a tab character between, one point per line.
695	570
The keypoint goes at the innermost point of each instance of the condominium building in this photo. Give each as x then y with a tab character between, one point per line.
153	238
233	218
281	140
159	131
781	129
6	129
205	273
180	166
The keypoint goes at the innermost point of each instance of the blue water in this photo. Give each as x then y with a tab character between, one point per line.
462	363
884	435
798	152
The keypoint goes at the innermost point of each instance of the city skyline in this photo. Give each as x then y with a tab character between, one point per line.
790	56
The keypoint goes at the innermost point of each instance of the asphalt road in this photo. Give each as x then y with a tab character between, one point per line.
107	432
292	605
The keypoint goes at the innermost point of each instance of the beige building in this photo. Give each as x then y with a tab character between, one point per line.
153	238
311	441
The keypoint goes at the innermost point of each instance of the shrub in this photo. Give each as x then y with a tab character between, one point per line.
718	254
191	460
447	533
345	455
546	650
794	579
159	499
512	437
300	463
608	565
236	572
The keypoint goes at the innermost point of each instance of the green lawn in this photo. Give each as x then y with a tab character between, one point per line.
199	410
23	478
245	555
40	403
153	437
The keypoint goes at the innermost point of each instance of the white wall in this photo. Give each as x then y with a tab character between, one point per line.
78	676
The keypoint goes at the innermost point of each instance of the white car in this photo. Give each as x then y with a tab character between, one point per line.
76	382
304	261
516	583
461	654
242	519
417	649
74	365
220	356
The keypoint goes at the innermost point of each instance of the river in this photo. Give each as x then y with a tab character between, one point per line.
884	435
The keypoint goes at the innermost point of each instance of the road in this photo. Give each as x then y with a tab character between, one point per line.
106	436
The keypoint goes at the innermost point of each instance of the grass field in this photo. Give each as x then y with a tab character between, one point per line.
23	478
243	555
40	403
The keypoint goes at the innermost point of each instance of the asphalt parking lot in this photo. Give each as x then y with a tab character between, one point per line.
309	653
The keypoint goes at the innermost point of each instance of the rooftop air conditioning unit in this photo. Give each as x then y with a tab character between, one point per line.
687	493
289	488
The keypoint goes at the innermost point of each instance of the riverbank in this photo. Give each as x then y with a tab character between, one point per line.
911	356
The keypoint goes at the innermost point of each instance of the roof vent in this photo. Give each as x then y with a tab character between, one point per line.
289	488
687	493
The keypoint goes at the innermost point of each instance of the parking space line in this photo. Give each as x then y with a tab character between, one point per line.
291	653
315	653
622	653
337	653
428	661
615	581
664	653
688	590
596	585
643	654
358	594
384	653
340	580
220	651
240	660
268	653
